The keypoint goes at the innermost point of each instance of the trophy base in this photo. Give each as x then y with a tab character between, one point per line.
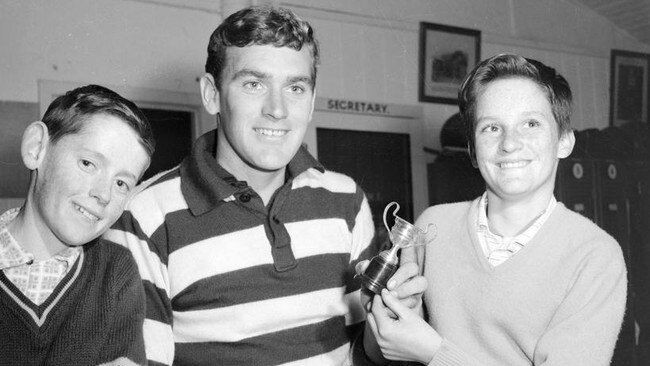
376	276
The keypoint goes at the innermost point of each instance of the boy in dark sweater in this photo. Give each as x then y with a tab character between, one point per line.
67	297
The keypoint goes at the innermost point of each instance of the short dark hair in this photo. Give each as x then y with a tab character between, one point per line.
503	66
260	25
67	113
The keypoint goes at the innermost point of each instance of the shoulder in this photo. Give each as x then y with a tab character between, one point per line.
161	192
575	225
581	235
160	182
115	277
110	255
111	264
329	180
448	212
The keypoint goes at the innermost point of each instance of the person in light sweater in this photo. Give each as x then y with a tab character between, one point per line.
514	277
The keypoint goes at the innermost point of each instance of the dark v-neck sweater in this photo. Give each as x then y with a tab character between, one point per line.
93	316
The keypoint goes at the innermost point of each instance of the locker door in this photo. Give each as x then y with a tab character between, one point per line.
379	162
613	217
639	204
575	186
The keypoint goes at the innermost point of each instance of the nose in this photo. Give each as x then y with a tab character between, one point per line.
510	140
101	190
275	105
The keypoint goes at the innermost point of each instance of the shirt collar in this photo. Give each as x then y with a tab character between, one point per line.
482	213
483	220
68	255
13	255
205	183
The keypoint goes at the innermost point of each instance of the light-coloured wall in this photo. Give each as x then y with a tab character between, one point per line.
113	42
369	47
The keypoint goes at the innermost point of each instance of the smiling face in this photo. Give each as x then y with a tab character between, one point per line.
266	100
85	179
517	140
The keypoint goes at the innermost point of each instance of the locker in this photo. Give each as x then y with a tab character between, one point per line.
575	186
613	217
639	205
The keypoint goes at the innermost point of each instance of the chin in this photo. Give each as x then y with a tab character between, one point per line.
78	239
273	165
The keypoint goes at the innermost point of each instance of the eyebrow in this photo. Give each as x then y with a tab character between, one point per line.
249	72
264	76
302	79
528	113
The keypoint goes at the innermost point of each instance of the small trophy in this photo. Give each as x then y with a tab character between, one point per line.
382	266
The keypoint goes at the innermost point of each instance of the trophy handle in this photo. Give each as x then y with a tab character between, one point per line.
426	232
394	213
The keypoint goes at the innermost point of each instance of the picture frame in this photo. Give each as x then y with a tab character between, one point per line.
629	87
447	54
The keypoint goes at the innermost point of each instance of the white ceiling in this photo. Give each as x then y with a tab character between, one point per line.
632	16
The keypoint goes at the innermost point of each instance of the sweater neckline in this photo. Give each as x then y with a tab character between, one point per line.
537	240
39	314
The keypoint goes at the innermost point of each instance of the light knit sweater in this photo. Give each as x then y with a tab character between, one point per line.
559	301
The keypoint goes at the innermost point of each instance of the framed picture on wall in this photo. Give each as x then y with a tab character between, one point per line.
629	87
447	54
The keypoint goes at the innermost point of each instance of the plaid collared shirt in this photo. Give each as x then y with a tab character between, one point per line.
35	279
497	248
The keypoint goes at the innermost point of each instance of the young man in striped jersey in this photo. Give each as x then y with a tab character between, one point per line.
247	249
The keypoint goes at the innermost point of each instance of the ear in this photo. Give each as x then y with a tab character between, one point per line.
209	94
566	143
34	144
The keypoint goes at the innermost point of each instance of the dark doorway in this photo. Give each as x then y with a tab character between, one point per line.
380	162
173	133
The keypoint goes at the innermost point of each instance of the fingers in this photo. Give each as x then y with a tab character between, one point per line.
403	273
372	322
361	266
408	255
392	303
381	314
411	302
413	287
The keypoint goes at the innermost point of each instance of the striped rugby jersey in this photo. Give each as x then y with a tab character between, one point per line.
232	282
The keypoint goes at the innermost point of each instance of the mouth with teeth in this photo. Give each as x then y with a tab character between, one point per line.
270	132
86	214
513	164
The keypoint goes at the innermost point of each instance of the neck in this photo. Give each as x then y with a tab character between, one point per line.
264	183
33	235
509	217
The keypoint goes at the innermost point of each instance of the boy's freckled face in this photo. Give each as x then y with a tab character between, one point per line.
85	179
517	140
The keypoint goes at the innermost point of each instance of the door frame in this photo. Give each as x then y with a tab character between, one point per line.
376	117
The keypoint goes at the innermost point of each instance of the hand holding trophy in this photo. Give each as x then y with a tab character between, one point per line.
382	267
